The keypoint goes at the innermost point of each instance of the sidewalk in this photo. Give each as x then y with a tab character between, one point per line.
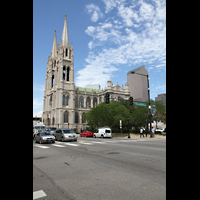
137	137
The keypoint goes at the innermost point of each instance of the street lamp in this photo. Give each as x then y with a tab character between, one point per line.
133	72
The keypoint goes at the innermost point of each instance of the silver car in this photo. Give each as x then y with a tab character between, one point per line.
44	136
66	135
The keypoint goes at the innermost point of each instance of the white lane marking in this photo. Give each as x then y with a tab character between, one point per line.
99	142
57	145
44	147
71	144
39	194
59	142
110	141
86	143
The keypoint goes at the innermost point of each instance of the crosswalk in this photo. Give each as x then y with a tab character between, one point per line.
79	143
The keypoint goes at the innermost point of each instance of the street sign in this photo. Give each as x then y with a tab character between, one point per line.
140	104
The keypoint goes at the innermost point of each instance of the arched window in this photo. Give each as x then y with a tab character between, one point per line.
67	73
88	102
66	117
64	73
76	102
63	100
83	121
52	81
81	102
76	117
67	98
94	102
66	52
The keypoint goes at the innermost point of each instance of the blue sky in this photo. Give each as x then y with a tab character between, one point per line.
110	38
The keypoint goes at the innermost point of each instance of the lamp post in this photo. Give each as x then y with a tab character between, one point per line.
148	99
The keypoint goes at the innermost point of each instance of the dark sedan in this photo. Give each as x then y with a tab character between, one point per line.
44	137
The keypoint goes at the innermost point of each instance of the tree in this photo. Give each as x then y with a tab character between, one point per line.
159	111
140	116
107	115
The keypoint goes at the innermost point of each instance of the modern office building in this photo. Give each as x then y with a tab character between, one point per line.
138	83
161	97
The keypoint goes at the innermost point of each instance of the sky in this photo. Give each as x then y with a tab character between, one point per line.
110	38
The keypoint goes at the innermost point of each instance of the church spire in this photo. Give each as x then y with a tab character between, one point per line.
54	47
65	38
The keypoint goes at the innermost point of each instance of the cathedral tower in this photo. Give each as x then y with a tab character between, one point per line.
59	104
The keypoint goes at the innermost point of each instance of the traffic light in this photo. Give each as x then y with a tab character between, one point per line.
131	101
150	118
107	98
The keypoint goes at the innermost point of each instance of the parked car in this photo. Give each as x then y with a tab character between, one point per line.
44	136
38	131
164	132
103	132
86	134
65	135
159	130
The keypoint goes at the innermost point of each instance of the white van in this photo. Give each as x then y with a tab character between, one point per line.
103	132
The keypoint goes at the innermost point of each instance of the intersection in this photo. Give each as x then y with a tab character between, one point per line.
95	168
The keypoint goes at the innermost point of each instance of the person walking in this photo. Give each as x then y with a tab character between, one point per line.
146	130
141	132
153	131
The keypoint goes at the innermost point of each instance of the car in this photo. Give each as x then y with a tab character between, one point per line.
103	132
52	130
44	137
159	130
65	135
86	134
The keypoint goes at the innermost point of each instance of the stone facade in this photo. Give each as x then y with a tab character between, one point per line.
64	104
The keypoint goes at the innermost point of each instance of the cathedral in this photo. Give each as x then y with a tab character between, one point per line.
65	104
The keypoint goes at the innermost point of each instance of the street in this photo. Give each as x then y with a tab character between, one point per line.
95	168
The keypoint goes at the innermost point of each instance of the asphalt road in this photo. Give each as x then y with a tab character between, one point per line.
107	169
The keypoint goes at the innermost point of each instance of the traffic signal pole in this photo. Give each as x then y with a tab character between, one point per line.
149	106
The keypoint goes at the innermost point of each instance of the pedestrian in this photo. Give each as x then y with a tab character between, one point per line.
153	131
141	132
146	131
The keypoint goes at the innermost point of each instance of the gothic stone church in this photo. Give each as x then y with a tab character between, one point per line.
64	104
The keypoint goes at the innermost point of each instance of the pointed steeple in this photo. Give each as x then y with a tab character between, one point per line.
65	38
54	47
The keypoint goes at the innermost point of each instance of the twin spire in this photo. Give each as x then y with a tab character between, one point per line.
64	40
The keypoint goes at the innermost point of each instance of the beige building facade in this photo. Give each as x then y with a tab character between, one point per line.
64	104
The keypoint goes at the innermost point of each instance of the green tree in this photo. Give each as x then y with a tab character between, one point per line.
140	116
158	111
107	115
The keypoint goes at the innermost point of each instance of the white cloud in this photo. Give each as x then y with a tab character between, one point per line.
103	32
38	88
110	4
146	11
136	35
95	11
128	15
37	103
38	114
